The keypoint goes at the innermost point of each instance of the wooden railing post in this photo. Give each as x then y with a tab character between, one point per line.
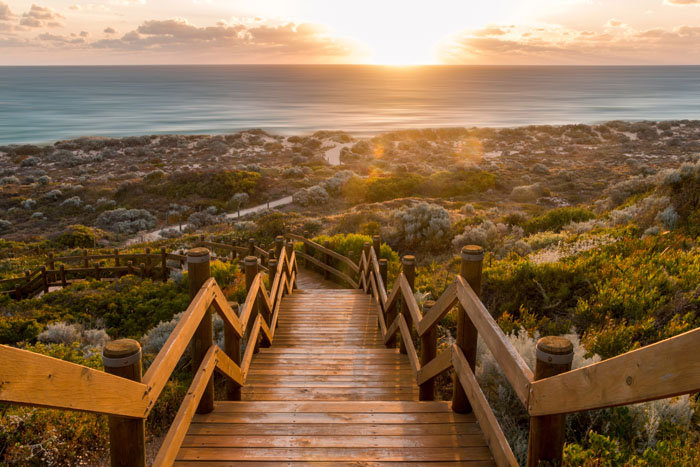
97	271
251	247
86	262
326	261
305	248
383	272
271	273
127	441
130	267
52	264
62	272
279	244
45	279
472	263
428	351
409	270
365	249
233	250
232	347
376	243
251	270
142	267
147	271
198	271
116	258
164	263
554	356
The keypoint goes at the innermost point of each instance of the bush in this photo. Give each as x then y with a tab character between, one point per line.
556	219
201	219
44	180
528	193
425	225
53	195
128	221
5	225
78	236
28	204
30	161
314	196
73	202
11	180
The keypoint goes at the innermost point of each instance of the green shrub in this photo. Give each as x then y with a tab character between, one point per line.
556	219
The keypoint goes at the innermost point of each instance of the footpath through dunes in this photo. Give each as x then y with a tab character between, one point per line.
329	392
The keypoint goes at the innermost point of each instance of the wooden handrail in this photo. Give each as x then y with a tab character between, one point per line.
39	380
328	268
664	369
327	251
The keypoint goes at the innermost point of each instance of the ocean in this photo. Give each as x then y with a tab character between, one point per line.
45	104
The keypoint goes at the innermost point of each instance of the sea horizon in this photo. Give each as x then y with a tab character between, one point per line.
42	104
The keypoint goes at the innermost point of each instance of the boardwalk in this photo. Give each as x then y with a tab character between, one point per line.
328	392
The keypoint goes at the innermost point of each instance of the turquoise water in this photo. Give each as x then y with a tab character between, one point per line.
41	104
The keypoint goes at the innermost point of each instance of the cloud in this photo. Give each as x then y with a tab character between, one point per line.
290	42
5	12
110	30
75	7
40	16
490	31
682	2
617	46
46	37
616	23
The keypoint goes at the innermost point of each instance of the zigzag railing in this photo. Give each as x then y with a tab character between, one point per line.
37	380
658	371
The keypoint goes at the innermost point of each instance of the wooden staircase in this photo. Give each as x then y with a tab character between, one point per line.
329	392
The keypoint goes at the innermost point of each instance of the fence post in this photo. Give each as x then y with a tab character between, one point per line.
130	267
428	351
116	258
279	244
127	442
383	272
554	356
86	262
62	272
251	270
164	263
45	279
147	271
363	272
52	264
271	273
251	247
377	244
97	271
307	251
409	270
142	267
326	261
232	347
472	263
199	271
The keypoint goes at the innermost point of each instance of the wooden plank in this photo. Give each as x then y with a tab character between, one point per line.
374	262
178	429
333	418
250	345
509	360
468	463
392	329
664	369
330	441
337	454
163	365
436	366
495	438
39	380
365	407
322	429
222	307
247	309
442	306
228	368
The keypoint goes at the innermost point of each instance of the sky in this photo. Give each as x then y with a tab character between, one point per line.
383	32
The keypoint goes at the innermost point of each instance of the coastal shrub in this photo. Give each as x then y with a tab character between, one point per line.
203	218
668	218
128	221
498	238
73	202
30	161
53	195
314	196
28	204
335	184
103	203
38	215
556	219
392	187
467	209
5	225
425	225
460	182
43	180
684	187
293	172
528	193
78	236
539	169
11	180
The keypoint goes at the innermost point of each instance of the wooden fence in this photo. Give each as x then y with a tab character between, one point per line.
128	397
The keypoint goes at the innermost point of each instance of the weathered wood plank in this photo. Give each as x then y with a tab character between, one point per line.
659	370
